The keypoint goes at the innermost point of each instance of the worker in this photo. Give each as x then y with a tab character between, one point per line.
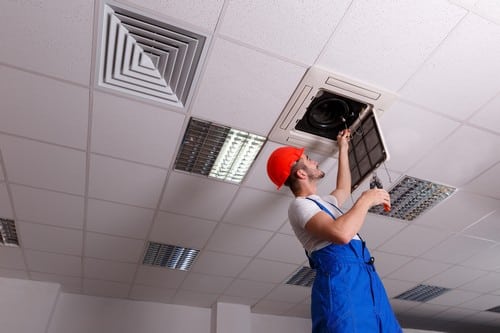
347	293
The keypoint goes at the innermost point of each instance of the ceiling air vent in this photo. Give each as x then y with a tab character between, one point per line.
422	293
411	197
302	277
170	256
8	232
146	57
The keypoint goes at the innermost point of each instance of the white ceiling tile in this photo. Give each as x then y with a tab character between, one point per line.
394	288
14	274
387	263
418	270
487	260
159	277
108	270
237	300
221	264
102	288
246	288
413	241
201	13
51	239
401	307
258	209
123	127
151	294
39	117
268	271
409	132
255	22
12	257
487	228
195	299
194	195
377	229
457	249
454	277
53	263
427	310
59	35
467	152
42	165
270	307
372	32
288	293
36	205
113	248
238	240
488	117
287	229
205	283
244	88
125	182
487	183
284	248
459	211
69	284
475	42
482	303
117	219
489	9
484	284
5	204
181	230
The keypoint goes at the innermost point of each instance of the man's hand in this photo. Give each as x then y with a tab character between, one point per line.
376	196
343	139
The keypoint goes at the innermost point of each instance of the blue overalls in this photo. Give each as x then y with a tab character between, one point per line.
347	294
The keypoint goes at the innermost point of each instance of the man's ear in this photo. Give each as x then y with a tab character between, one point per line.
301	174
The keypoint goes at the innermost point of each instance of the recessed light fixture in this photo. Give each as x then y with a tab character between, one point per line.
217	151
170	256
304	277
422	293
411	196
8	233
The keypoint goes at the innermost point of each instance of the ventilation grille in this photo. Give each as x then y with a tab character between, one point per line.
410	197
8	232
217	151
171	256
148	58
422	293
495	309
303	277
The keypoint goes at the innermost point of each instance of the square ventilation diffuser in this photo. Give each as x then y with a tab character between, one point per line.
411	196
303	277
8	232
217	151
422	293
170	256
146	57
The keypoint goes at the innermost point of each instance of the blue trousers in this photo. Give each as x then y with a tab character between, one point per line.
347	294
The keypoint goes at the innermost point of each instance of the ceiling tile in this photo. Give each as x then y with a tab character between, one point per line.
5	204
463	156
50	239
69	284
457	249
116	219
42	165
255	23
372	32
246	288
240	88
418	270
152	294
159	277
487	183
123	127
454	277
396	287
59	35
482	303
268	271
39	117
258	209
270	307
35	205
220	264
195	299
108	270
12	258
284	248
484	284
288	293
113	248
125	182
238	240
194	195
205	283
459	211
378	229
409	132
441	79
427	310
488	116
487	228
53	263
102	288
487	260
413	241
489	9
387	263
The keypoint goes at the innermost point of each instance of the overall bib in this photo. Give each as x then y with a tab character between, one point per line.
347	294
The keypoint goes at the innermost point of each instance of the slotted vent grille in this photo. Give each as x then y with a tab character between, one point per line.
422	293
148	58
170	256
217	151
302	277
411	197
8	232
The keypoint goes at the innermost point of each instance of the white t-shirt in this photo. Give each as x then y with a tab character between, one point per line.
301	210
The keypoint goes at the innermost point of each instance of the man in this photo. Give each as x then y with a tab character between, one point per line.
347	294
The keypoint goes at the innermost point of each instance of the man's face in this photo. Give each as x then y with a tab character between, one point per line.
312	168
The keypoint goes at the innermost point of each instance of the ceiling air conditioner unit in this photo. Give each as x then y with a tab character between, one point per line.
322	105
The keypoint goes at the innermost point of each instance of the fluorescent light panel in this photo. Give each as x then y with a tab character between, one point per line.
217	151
170	256
302	277
8	233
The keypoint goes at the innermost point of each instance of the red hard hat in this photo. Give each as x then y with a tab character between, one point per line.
280	163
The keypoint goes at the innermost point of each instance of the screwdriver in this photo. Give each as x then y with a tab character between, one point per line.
376	183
